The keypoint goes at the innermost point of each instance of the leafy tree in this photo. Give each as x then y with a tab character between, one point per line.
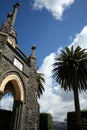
70	71
41	81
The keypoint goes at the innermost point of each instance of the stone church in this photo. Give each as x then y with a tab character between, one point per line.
18	76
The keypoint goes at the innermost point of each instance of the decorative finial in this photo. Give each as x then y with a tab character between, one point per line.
33	51
17	4
33	47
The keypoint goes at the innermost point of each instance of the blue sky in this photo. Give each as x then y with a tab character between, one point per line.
39	27
50	25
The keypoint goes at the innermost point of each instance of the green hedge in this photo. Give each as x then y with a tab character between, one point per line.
71	122
46	121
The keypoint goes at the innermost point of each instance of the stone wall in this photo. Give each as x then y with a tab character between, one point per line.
29	119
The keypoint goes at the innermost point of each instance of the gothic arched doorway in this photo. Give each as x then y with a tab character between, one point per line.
13	85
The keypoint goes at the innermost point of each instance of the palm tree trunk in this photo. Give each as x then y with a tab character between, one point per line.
77	108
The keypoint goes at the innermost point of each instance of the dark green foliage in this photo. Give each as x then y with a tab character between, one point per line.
71	121
46	122
41	81
70	68
5	119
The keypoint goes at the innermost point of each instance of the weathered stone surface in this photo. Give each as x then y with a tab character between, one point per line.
25	112
30	107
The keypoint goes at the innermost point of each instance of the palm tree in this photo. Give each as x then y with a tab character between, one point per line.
70	71
41	81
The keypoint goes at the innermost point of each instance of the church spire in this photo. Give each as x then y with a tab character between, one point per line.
14	13
8	25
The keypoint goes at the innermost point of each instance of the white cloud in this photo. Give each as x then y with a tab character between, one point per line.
7	102
81	38
55	100
55	7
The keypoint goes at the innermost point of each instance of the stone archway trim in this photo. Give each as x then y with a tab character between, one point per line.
17	83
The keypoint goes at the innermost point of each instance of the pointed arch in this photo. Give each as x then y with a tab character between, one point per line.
17	84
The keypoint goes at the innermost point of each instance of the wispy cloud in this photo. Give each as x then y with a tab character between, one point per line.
55	100
55	7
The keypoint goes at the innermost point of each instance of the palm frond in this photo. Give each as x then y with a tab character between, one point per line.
41	81
70	68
